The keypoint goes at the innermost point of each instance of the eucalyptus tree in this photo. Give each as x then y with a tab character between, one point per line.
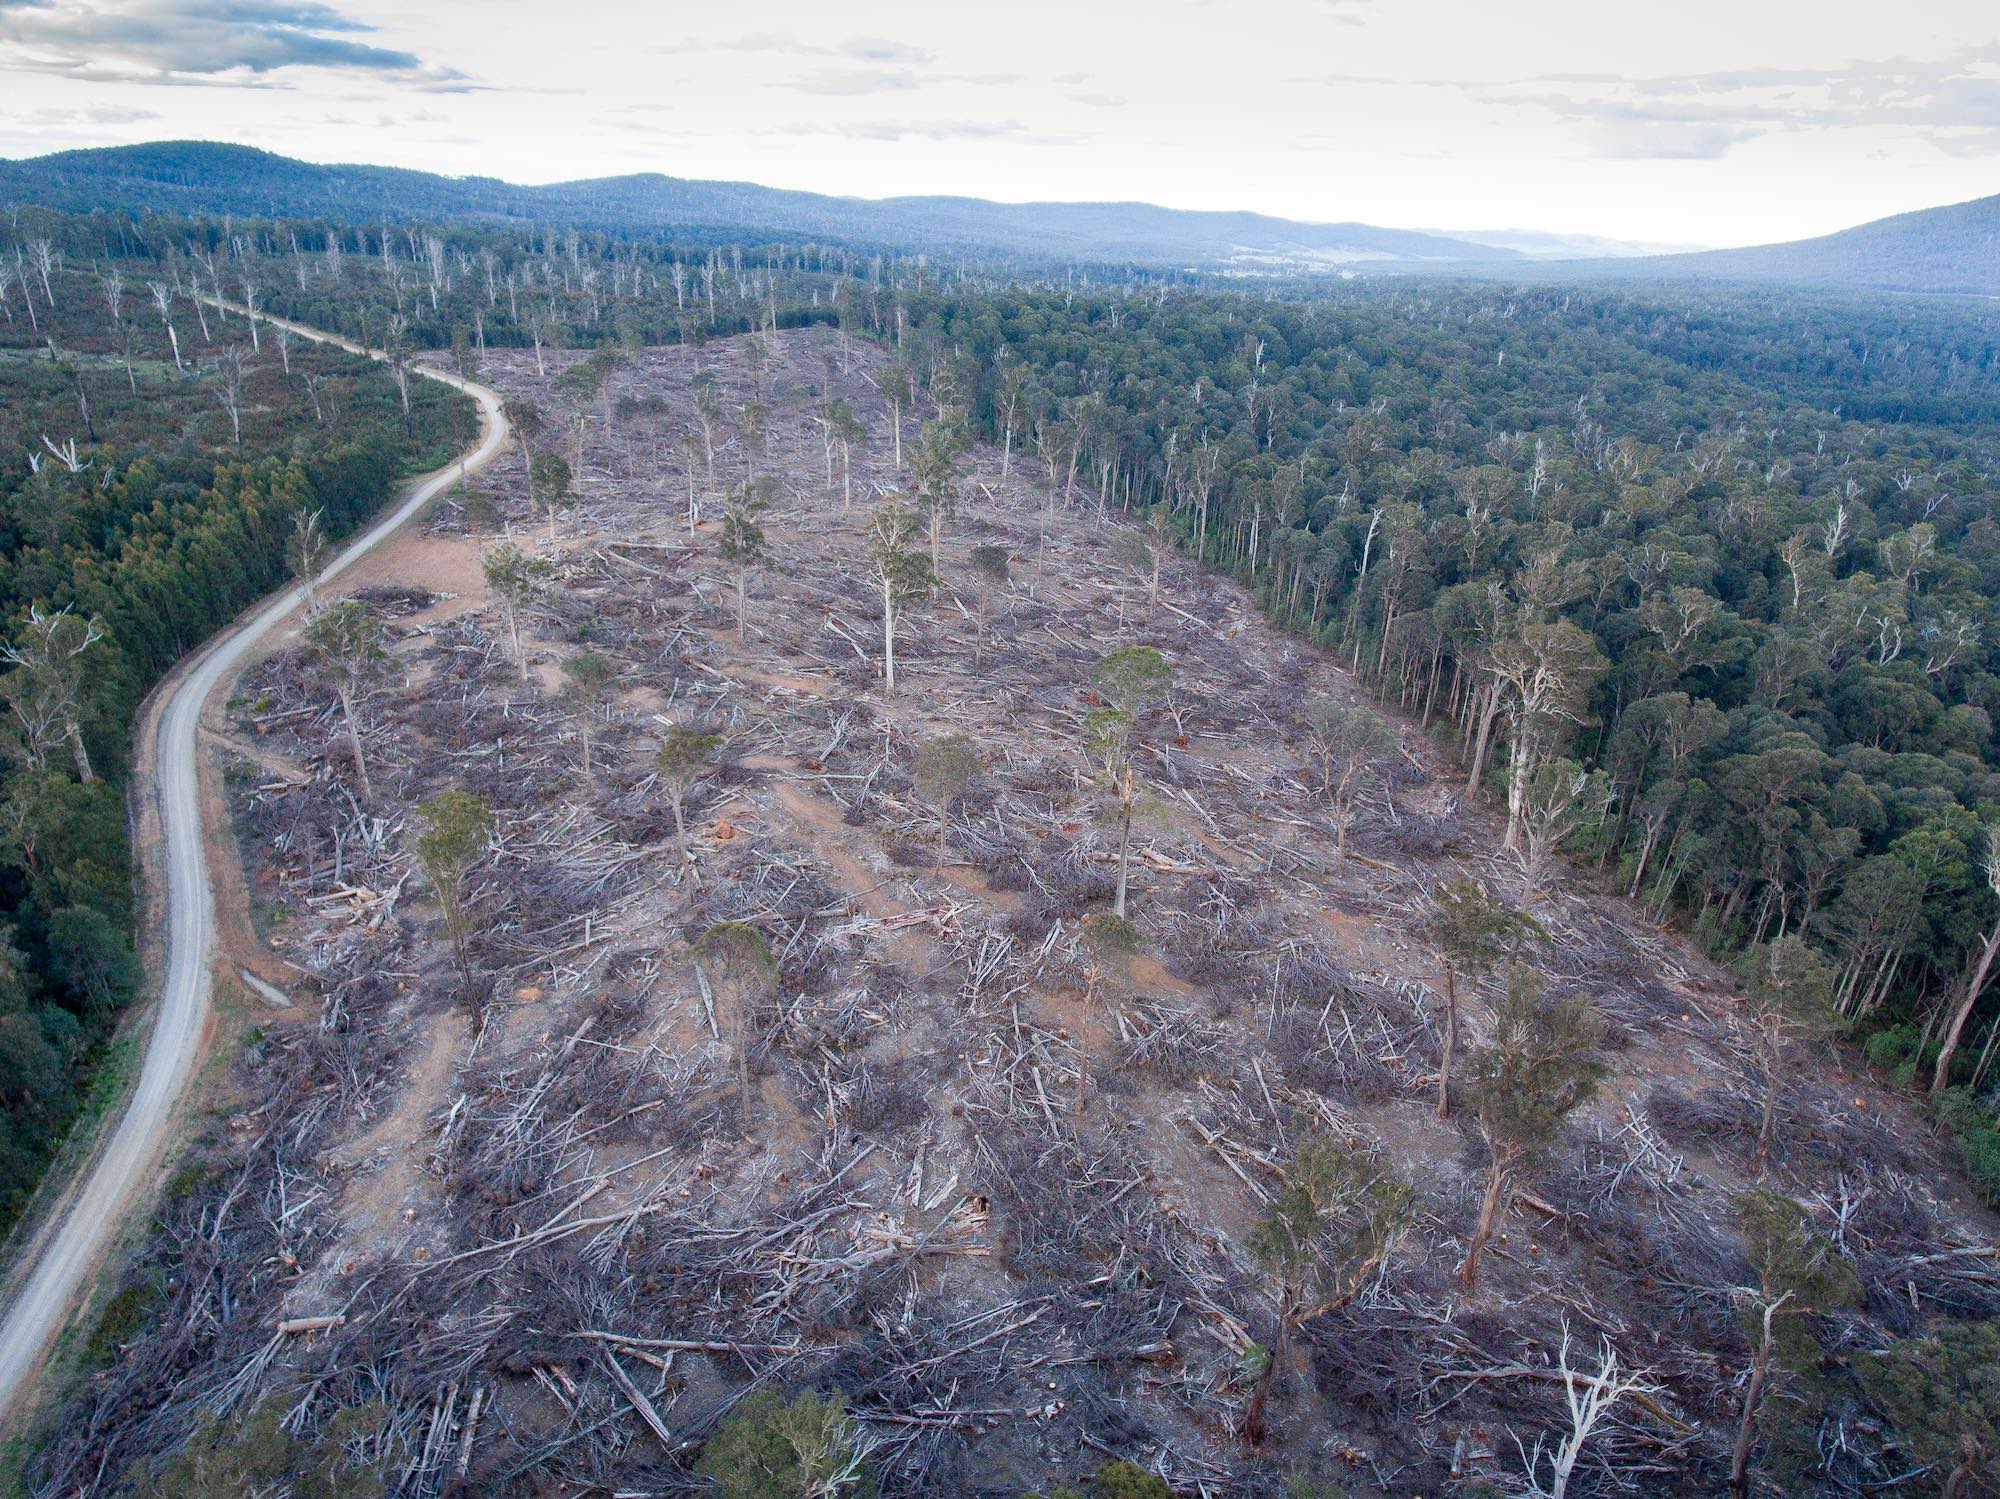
742	543
1537	1069
457	831
1471	934
901	573
345	640
1125	681
520	581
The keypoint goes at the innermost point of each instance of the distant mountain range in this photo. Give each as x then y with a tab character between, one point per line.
203	177
1954	249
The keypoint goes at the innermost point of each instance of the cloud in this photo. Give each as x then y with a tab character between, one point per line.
1953	101
1346	12
58	118
927	130
854	81
876	49
867	49
206	41
1098	101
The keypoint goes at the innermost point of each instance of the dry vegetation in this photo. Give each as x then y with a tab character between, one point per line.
997	1190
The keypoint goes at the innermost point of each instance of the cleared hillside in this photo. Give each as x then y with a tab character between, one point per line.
541	1224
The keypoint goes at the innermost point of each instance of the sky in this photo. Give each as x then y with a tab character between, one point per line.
1700	122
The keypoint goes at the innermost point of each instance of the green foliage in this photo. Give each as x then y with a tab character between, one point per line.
1338	1215
1789	979
457	829
1536	1069
588	673
898	564
770	1448
739	949
1117	1479
989	564
520	578
684	755
1109	935
939	447
1974	1121
1131	677
1942	1394
126	1314
1799	1270
254	1454
945	765
1471	932
457	826
345	639
549	477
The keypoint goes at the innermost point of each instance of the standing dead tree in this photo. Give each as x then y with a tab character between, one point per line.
1588	1398
232	373
305	552
45	687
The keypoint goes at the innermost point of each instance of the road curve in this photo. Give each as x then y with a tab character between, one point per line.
86	1219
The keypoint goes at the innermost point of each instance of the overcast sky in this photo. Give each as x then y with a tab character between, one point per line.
1696	121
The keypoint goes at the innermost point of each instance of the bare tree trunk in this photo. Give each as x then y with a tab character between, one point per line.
1450	1042
1490	1207
360	758
1963	1011
680	825
1260	1394
1124	844
1746	1427
1768	1129
888	643
1488	712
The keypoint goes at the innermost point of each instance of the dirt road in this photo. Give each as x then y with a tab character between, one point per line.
86	1219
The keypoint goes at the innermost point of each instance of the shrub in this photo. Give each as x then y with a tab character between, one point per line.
771	1449
1976	1125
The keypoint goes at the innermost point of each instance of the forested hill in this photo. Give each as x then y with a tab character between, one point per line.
202	177
1950	250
